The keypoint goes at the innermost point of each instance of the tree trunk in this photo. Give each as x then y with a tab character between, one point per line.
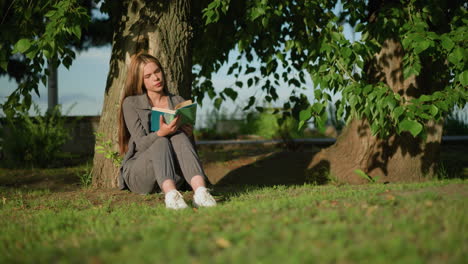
52	85
399	158
161	28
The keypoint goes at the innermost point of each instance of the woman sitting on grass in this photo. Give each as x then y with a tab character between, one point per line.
151	158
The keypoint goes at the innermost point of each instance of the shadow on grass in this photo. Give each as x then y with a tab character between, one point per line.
285	168
61	176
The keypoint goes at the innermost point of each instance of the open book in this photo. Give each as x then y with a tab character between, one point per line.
187	111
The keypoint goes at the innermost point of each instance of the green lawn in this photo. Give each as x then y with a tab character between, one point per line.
394	223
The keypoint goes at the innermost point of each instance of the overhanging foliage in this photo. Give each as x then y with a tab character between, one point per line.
306	37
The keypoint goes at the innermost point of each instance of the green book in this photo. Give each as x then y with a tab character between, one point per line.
186	110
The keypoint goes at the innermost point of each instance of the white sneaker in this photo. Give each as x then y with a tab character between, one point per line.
174	200
203	198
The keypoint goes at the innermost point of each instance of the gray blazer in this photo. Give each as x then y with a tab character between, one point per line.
137	115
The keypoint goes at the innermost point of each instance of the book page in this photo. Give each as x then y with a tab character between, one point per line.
184	103
164	110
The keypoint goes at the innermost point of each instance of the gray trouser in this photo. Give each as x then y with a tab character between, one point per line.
160	162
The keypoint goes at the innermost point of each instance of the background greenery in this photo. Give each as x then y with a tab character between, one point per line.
34	140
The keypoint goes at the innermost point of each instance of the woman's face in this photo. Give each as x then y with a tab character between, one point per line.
153	78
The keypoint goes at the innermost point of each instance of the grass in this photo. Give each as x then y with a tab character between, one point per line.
403	223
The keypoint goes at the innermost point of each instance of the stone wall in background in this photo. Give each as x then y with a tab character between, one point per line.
82	134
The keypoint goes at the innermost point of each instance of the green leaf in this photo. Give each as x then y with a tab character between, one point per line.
231	93
265	22
433	110
256	12
425	116
336	36
456	55
409	71
249	82
251	102
414	127
375	128
280	56
360	27
318	107
242	44
390	102
77	31
217	102
232	68
425	98
50	13
4	64
67	62
249	70
47	53
464	78
421	46
22	45
289	45
447	43
367	89
44	80
300	125
305	114
318	94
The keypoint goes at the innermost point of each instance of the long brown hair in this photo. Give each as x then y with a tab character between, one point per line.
134	86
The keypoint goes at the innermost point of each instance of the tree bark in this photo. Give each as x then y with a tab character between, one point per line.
161	28
399	158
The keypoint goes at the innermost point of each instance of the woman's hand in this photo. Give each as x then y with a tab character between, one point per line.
167	129
187	129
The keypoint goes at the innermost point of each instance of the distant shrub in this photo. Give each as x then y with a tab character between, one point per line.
269	125
456	123
211	129
34	140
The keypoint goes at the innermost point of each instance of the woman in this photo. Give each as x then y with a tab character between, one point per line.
151	158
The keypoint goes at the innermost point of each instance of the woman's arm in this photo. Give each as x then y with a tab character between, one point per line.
137	132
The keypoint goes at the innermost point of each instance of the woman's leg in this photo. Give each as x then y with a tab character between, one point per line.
168	185
154	168
197	181
192	169
188	160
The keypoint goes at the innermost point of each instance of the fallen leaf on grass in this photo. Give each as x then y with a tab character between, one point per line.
223	243
370	210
